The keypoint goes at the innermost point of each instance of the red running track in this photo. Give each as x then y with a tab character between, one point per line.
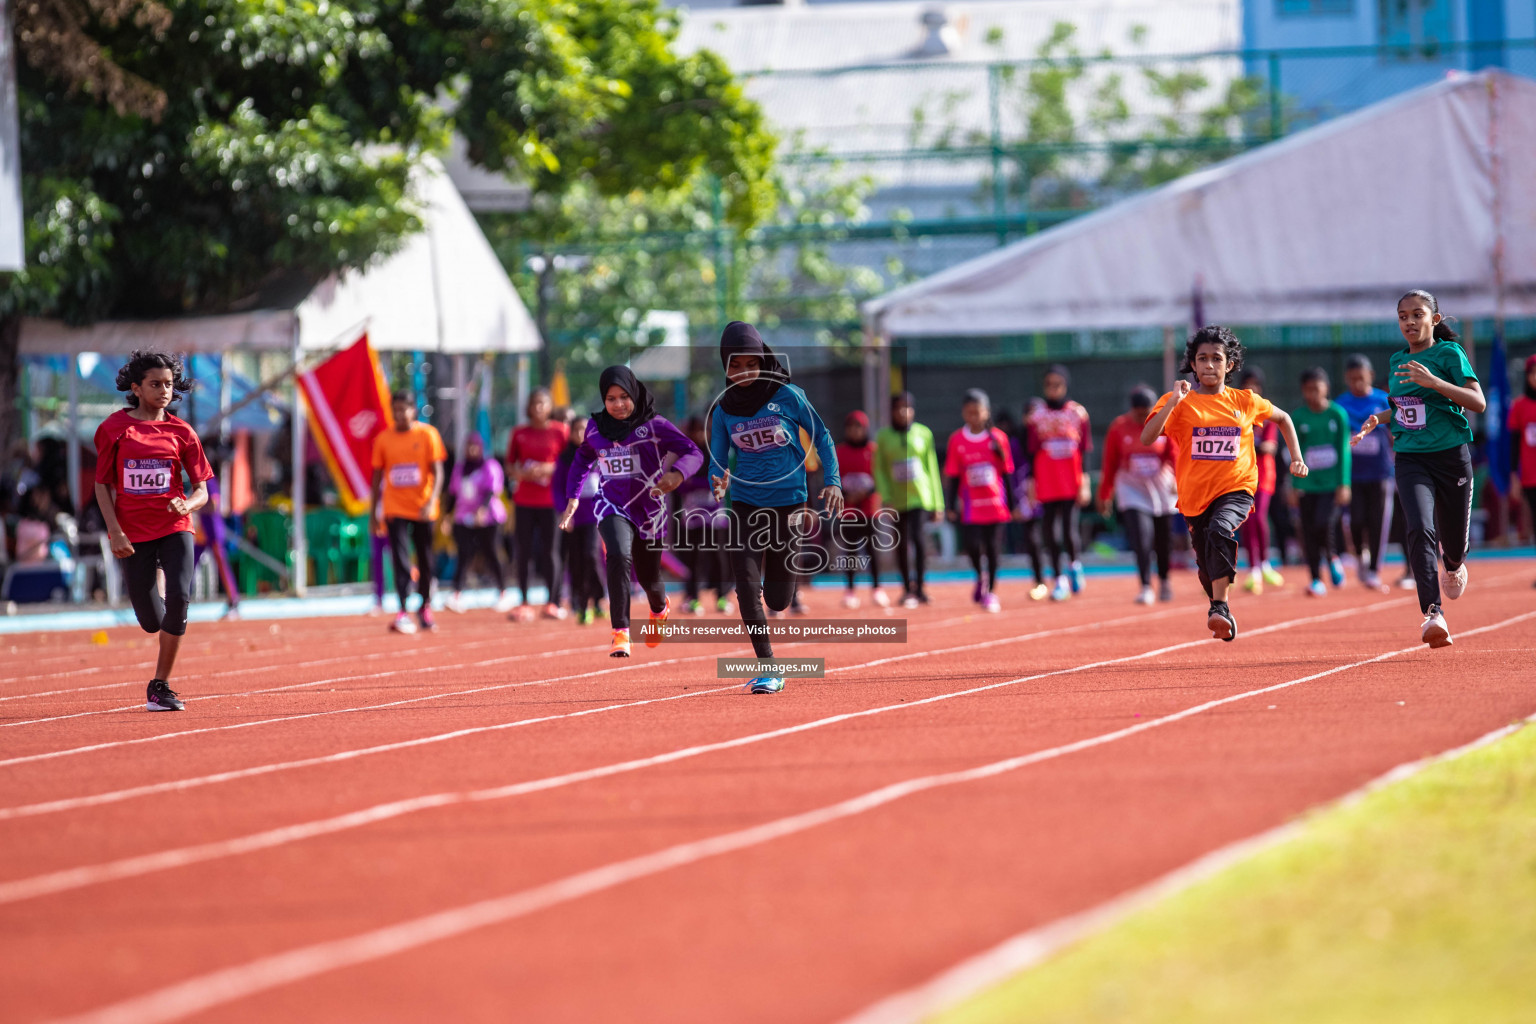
497	823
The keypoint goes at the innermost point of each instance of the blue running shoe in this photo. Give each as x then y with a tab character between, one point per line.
765	684
1078	577
1336	572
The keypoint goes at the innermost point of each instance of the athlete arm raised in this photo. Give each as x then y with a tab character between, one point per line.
1154	426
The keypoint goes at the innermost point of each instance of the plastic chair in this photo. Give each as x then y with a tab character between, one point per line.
270	532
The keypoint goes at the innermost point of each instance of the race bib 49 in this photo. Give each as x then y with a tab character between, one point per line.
147	476
1410	412
1215	444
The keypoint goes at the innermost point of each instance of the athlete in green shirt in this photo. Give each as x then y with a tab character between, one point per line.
1433	386
1322	427
907	477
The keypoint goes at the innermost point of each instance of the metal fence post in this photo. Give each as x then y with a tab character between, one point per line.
1275	127
999	185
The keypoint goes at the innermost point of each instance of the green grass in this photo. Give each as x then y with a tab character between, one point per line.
1414	905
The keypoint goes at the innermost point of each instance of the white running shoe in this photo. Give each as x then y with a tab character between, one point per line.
992	604
910	601
1435	632
403	624
880	598
1147	596
505	602
1063	589
455	603
850	600
1454	583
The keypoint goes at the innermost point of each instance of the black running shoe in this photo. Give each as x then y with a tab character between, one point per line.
162	698
1221	623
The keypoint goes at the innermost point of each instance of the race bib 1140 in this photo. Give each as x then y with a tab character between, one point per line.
1410	412
147	476
1215	444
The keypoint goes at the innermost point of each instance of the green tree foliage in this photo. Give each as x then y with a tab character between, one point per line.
289	133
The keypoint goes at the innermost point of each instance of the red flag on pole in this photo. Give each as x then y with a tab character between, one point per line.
348	402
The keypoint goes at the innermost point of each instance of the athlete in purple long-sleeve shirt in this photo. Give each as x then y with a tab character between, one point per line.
640	457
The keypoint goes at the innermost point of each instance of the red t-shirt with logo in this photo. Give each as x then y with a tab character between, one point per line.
982	462
1522	433
856	467
530	447
1057	439
142	461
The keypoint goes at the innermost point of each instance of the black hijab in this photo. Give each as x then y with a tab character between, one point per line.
645	406
741	339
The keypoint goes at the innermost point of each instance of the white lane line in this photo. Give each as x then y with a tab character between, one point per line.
508	659
74	878
221	987
1029	949
178	785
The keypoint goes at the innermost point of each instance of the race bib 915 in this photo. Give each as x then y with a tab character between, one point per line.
1410	412
761	434
1215	444
147	476
619	461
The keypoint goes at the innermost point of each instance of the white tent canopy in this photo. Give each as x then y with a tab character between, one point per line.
1431	189
445	291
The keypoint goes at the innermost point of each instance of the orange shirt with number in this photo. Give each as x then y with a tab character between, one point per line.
408	459
1214	438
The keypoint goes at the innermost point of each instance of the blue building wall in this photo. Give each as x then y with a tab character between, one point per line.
1326	84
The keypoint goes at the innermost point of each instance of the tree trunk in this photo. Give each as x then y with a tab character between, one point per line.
10	384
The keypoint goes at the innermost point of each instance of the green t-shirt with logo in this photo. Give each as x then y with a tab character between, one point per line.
1425	420
1324	438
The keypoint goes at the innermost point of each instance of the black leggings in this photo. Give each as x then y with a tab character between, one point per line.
983	541
580	548
764	552
1148	536
535	545
909	538
173	553
1436	488
1063	513
703	552
857	536
1370	520
471	540
630	554
419	532
1319	517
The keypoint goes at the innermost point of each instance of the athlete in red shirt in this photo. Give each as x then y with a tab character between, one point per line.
141	453
855	529
532	452
1056	439
978	487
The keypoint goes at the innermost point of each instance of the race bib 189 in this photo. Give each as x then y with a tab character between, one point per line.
1323	456
759	434
981	475
1410	412
405	474
1215	444
147	476
619	461
903	470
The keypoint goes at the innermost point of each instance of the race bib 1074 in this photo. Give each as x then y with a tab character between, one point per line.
1410	412
147	476
760	434
1215	444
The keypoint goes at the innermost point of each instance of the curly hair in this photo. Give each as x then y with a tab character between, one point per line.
1443	331
1214	335
140	362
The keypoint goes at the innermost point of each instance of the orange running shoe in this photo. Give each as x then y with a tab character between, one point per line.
654	636
619	648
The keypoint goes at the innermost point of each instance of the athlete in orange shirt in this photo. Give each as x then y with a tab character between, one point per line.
1212	427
